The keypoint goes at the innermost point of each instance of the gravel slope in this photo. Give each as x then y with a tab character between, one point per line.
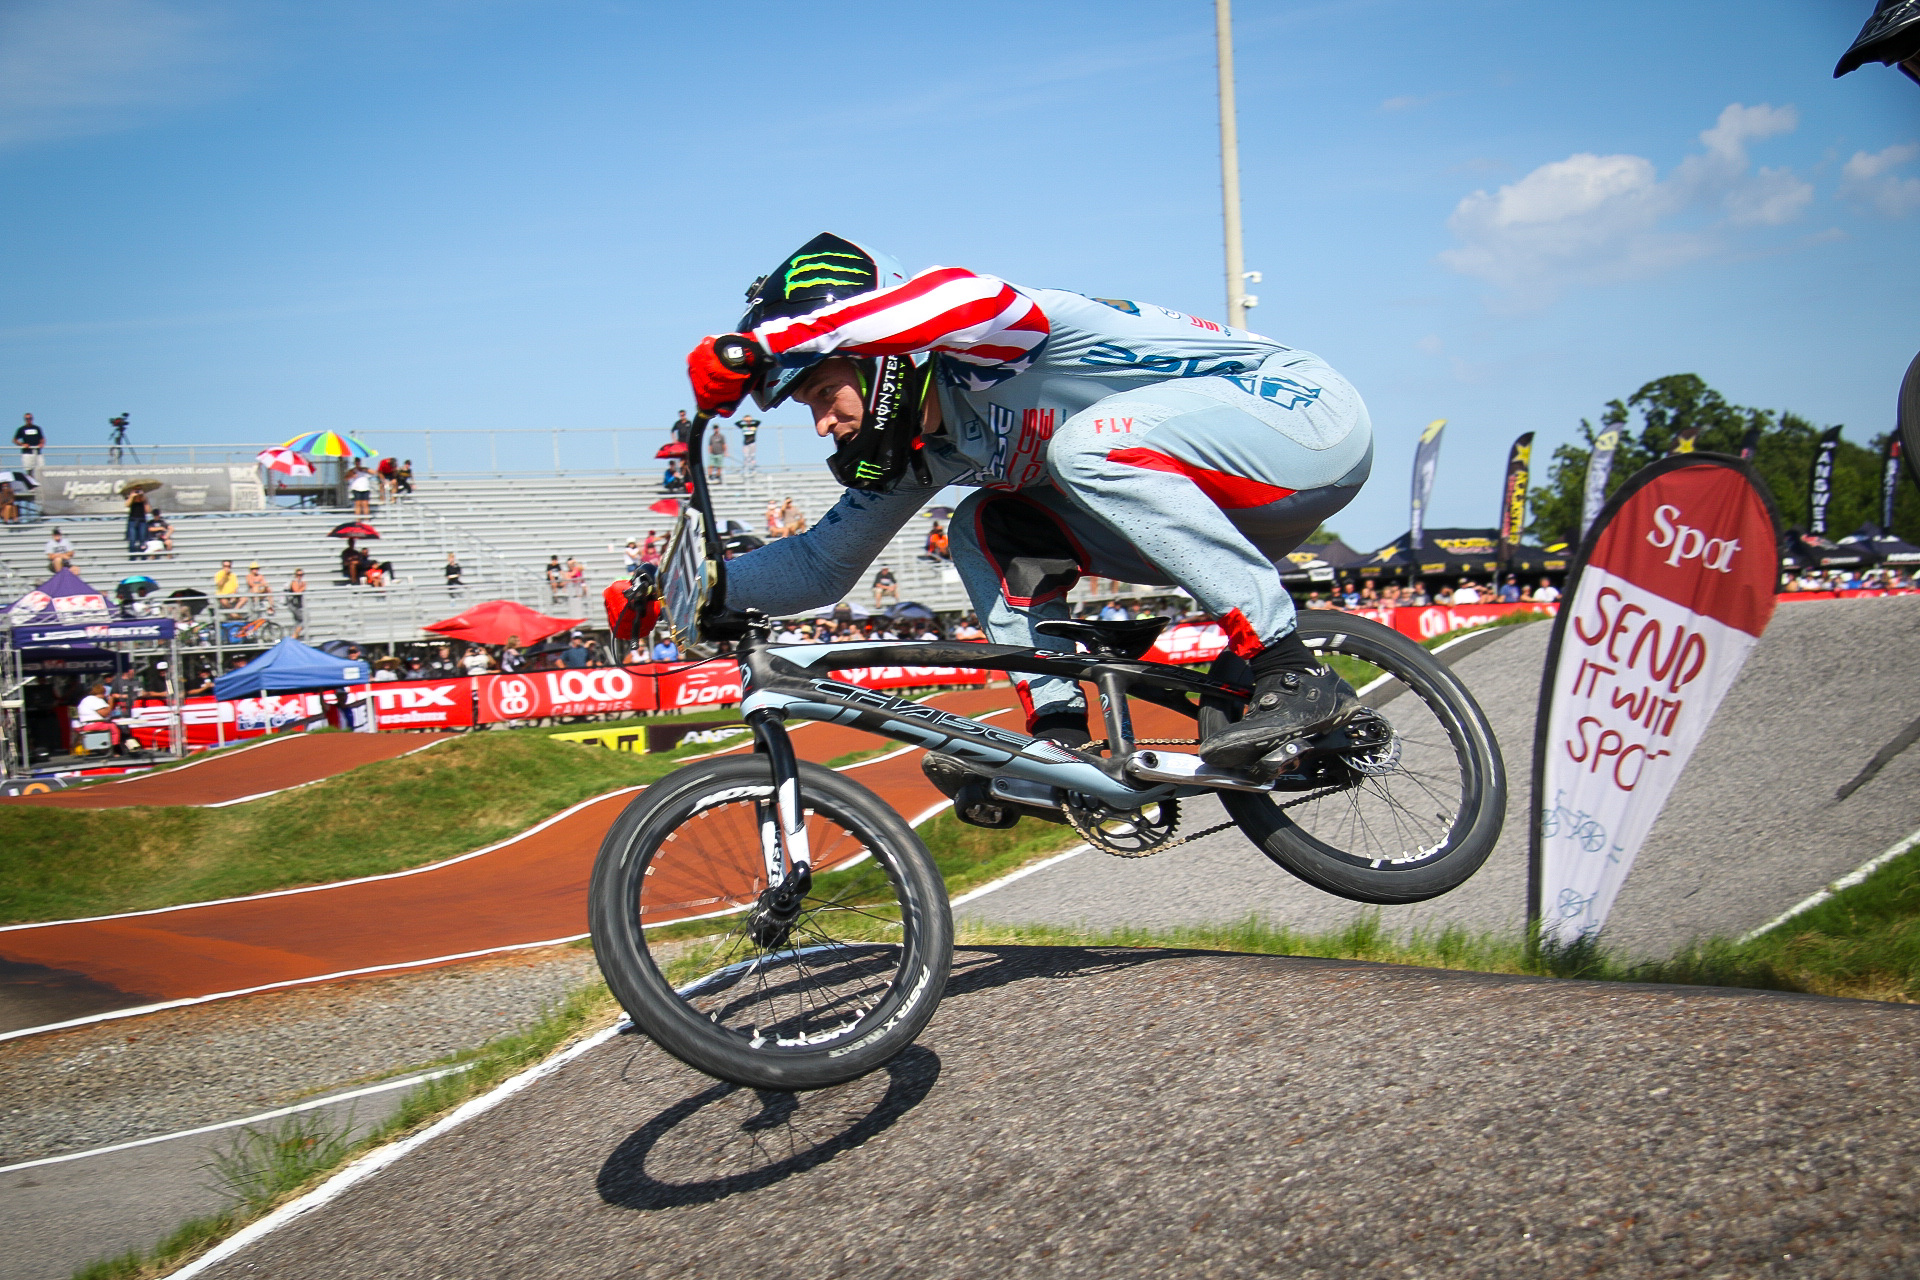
1357	1119
70	1090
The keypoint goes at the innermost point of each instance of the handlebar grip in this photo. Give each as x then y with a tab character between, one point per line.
737	353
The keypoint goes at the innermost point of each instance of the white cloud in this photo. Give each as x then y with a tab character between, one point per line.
1868	180
1592	218
71	67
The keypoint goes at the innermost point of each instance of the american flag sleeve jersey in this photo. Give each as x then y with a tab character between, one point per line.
986	327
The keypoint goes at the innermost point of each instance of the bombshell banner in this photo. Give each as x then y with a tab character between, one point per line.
1426	461
1513	499
1671	592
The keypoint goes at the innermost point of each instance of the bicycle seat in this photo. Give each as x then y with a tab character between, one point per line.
1108	639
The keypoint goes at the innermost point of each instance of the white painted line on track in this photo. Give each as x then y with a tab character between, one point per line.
113	1015
1847	881
994	885
385	1086
374	1161
334	884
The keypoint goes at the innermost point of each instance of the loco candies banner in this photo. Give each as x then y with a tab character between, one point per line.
1673	588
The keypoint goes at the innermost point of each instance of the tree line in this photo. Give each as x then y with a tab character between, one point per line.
1670	407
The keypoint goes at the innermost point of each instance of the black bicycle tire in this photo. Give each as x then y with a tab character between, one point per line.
1484	782
659	1012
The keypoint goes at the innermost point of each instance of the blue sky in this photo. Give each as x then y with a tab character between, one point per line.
243	220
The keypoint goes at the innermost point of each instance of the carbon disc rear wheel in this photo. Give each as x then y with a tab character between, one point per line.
1406	822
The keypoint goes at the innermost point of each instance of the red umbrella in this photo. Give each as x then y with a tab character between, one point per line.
355	529
666	506
501	622
672	449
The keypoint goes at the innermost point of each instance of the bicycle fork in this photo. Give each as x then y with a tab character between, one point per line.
783	836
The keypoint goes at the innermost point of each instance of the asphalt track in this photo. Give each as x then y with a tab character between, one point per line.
524	891
273	764
1090	1113
1753	827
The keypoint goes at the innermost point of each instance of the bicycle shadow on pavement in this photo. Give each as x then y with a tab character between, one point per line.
729	1139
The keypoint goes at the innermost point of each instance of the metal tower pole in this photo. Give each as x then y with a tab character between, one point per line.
1230	168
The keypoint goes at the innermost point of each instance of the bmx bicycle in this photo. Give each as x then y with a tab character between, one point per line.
776	924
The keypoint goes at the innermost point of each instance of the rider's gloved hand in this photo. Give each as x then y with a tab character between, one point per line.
632	607
721	369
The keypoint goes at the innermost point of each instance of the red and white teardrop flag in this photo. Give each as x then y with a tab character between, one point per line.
1672	589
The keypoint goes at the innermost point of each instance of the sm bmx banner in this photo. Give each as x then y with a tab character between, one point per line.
1670	593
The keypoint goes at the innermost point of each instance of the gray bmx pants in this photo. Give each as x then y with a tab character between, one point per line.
1201	483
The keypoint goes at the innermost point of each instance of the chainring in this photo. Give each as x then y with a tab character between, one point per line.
1127	833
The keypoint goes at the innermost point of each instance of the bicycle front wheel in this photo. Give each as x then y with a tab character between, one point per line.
849	986
1417	818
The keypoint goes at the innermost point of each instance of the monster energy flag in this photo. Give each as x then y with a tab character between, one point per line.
1513	504
1822	487
1426	460
1889	483
1599	467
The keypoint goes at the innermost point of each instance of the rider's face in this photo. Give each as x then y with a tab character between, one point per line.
832	391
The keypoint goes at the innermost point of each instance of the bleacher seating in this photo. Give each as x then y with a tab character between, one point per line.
502	529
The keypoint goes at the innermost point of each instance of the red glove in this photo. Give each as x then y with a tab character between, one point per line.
631	613
718	383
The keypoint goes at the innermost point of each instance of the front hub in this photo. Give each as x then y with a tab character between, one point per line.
772	917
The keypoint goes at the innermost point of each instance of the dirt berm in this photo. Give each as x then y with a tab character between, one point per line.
1086	1113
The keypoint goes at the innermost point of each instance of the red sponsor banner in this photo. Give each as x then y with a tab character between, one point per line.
707	684
1424	622
423	704
1674	587
583	691
206	722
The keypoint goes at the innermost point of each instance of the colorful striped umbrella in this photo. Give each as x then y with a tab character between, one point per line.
329	444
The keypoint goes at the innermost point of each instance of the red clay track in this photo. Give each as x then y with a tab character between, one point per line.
528	890
274	765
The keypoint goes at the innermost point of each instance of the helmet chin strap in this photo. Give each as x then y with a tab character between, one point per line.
877	456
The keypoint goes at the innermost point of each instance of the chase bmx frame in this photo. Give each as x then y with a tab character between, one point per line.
780	681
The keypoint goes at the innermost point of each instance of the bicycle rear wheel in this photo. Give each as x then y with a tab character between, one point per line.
1424	815
850	986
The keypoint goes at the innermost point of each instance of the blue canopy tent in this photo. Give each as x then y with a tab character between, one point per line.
290	667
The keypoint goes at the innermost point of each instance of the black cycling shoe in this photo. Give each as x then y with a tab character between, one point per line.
1286	705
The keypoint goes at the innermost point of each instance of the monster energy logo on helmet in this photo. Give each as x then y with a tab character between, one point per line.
821	270
827	268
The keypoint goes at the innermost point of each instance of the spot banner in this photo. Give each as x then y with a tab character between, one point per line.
1672	589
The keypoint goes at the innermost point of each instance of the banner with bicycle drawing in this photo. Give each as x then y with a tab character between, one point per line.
1669	597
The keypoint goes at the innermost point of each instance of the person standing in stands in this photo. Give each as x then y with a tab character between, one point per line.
716	454
31	440
556	578
136	522
682	428
403	480
749	444
297	601
576	579
452	571
360	489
